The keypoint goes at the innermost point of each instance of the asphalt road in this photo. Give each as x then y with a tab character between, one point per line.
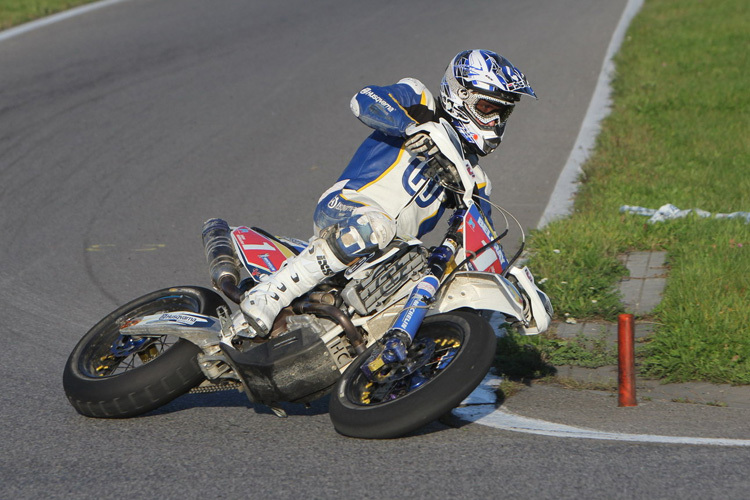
122	130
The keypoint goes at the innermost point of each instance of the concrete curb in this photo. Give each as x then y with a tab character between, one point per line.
704	393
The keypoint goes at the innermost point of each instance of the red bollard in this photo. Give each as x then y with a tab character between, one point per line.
625	349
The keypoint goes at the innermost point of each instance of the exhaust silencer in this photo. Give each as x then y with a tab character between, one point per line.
223	265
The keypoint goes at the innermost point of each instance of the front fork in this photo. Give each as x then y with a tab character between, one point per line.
392	352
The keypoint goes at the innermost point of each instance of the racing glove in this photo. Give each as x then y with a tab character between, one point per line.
421	145
438	166
442	170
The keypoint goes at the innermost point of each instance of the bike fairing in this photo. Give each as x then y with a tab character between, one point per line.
383	170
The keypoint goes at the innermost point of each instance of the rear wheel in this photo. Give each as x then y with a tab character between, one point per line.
455	350
110	375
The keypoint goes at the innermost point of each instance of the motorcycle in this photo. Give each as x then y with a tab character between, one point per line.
337	339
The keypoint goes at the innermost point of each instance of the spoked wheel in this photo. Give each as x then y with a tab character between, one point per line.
454	350
110	375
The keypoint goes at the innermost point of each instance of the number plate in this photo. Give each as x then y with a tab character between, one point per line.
258	253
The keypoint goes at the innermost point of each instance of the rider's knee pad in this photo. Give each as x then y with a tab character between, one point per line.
360	235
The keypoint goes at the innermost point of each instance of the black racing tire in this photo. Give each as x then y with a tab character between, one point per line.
354	414
103	384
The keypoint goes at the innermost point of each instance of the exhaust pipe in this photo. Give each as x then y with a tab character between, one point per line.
337	315
223	265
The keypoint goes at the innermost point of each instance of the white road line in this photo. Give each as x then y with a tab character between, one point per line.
561	201
481	409
30	26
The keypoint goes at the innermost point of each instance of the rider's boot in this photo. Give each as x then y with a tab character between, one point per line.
297	276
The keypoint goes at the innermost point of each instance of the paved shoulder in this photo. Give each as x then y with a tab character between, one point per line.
599	410
552	410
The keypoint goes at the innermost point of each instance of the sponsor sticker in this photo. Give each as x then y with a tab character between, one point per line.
427	287
179	318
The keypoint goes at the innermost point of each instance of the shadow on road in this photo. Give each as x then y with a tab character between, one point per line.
237	399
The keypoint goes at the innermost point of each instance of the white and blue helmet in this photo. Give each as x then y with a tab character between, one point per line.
478	92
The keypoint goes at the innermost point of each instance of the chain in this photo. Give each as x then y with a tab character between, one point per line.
204	389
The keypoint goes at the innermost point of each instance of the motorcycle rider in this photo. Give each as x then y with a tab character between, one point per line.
388	188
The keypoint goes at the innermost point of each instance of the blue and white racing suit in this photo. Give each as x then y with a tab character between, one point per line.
383	176
383	193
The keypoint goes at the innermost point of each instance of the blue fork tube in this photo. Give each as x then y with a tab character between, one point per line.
415	310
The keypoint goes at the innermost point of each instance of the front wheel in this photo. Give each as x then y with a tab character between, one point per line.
110	375
462	348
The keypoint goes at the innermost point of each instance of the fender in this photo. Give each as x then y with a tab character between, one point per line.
541	307
480	290
201	330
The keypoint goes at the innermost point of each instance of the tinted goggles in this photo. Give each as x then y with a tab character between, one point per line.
488	110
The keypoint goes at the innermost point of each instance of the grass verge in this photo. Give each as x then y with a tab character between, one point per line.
15	12
678	133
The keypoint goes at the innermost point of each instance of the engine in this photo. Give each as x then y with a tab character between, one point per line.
370	294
